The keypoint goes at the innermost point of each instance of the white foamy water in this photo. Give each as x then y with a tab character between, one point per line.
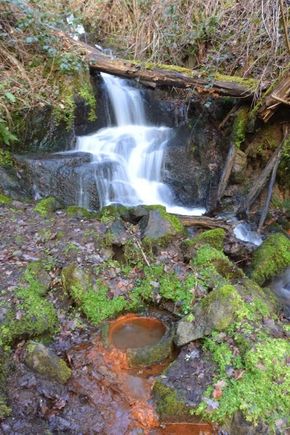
244	232
129	157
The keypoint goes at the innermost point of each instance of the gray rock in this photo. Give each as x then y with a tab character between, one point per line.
216	311
43	361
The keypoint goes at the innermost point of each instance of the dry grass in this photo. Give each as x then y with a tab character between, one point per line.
244	37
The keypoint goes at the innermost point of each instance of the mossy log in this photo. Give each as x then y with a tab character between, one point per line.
155	75
204	222
279	95
167	75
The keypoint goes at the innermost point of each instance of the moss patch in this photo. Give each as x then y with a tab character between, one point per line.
5	159
271	258
169	405
31	316
46	206
5	200
240	126
79	212
260	393
213	238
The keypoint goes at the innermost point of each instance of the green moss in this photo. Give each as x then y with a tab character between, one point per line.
270	258
32	316
97	306
158	283
169	405
173	220
240	126
86	92
5	410
161	66
214	238
5	200
79	212
207	255
251	84
5	159
46	363
110	213
261	393
222	305
93	299
46	206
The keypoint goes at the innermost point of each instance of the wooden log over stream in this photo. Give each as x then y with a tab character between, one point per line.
167	75
205	222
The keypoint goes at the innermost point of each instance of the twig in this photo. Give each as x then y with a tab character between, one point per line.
285	26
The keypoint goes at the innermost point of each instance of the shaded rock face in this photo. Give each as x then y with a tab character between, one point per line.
183	384
64	176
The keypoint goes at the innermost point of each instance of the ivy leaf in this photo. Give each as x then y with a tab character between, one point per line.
10	97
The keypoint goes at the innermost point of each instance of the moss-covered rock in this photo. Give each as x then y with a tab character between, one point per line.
169	405
215	312
31	316
214	238
110	213
4	199
46	206
270	258
159	228
91	295
43	361
80	212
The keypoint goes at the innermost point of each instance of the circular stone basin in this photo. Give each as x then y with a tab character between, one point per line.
145	340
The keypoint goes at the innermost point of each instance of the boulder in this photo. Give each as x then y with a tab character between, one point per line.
43	361
159	227
181	387
271	258
239	167
215	312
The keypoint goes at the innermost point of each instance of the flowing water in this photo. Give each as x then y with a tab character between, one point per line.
129	157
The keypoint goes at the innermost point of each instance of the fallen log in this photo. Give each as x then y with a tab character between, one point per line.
167	75
155	75
259	183
226	172
204	222
280	95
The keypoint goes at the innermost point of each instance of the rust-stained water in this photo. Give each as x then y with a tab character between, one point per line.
122	397
134	332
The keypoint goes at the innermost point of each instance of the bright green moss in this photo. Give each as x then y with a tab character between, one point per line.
206	255
110	213
240	127
262	392
270	258
214	238
5	410
251	84
173	220
5	200
79	212
32	316
46	206
168	286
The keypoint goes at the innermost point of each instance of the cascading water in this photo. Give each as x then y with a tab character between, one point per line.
129	157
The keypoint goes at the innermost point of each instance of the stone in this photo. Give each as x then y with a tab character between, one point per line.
119	234
281	288
160	227
76	281
44	362
271	258
239	167
215	312
182	385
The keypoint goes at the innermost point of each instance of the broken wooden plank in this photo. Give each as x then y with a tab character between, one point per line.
204	222
278	96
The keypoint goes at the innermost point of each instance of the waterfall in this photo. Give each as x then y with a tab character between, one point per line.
128	158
